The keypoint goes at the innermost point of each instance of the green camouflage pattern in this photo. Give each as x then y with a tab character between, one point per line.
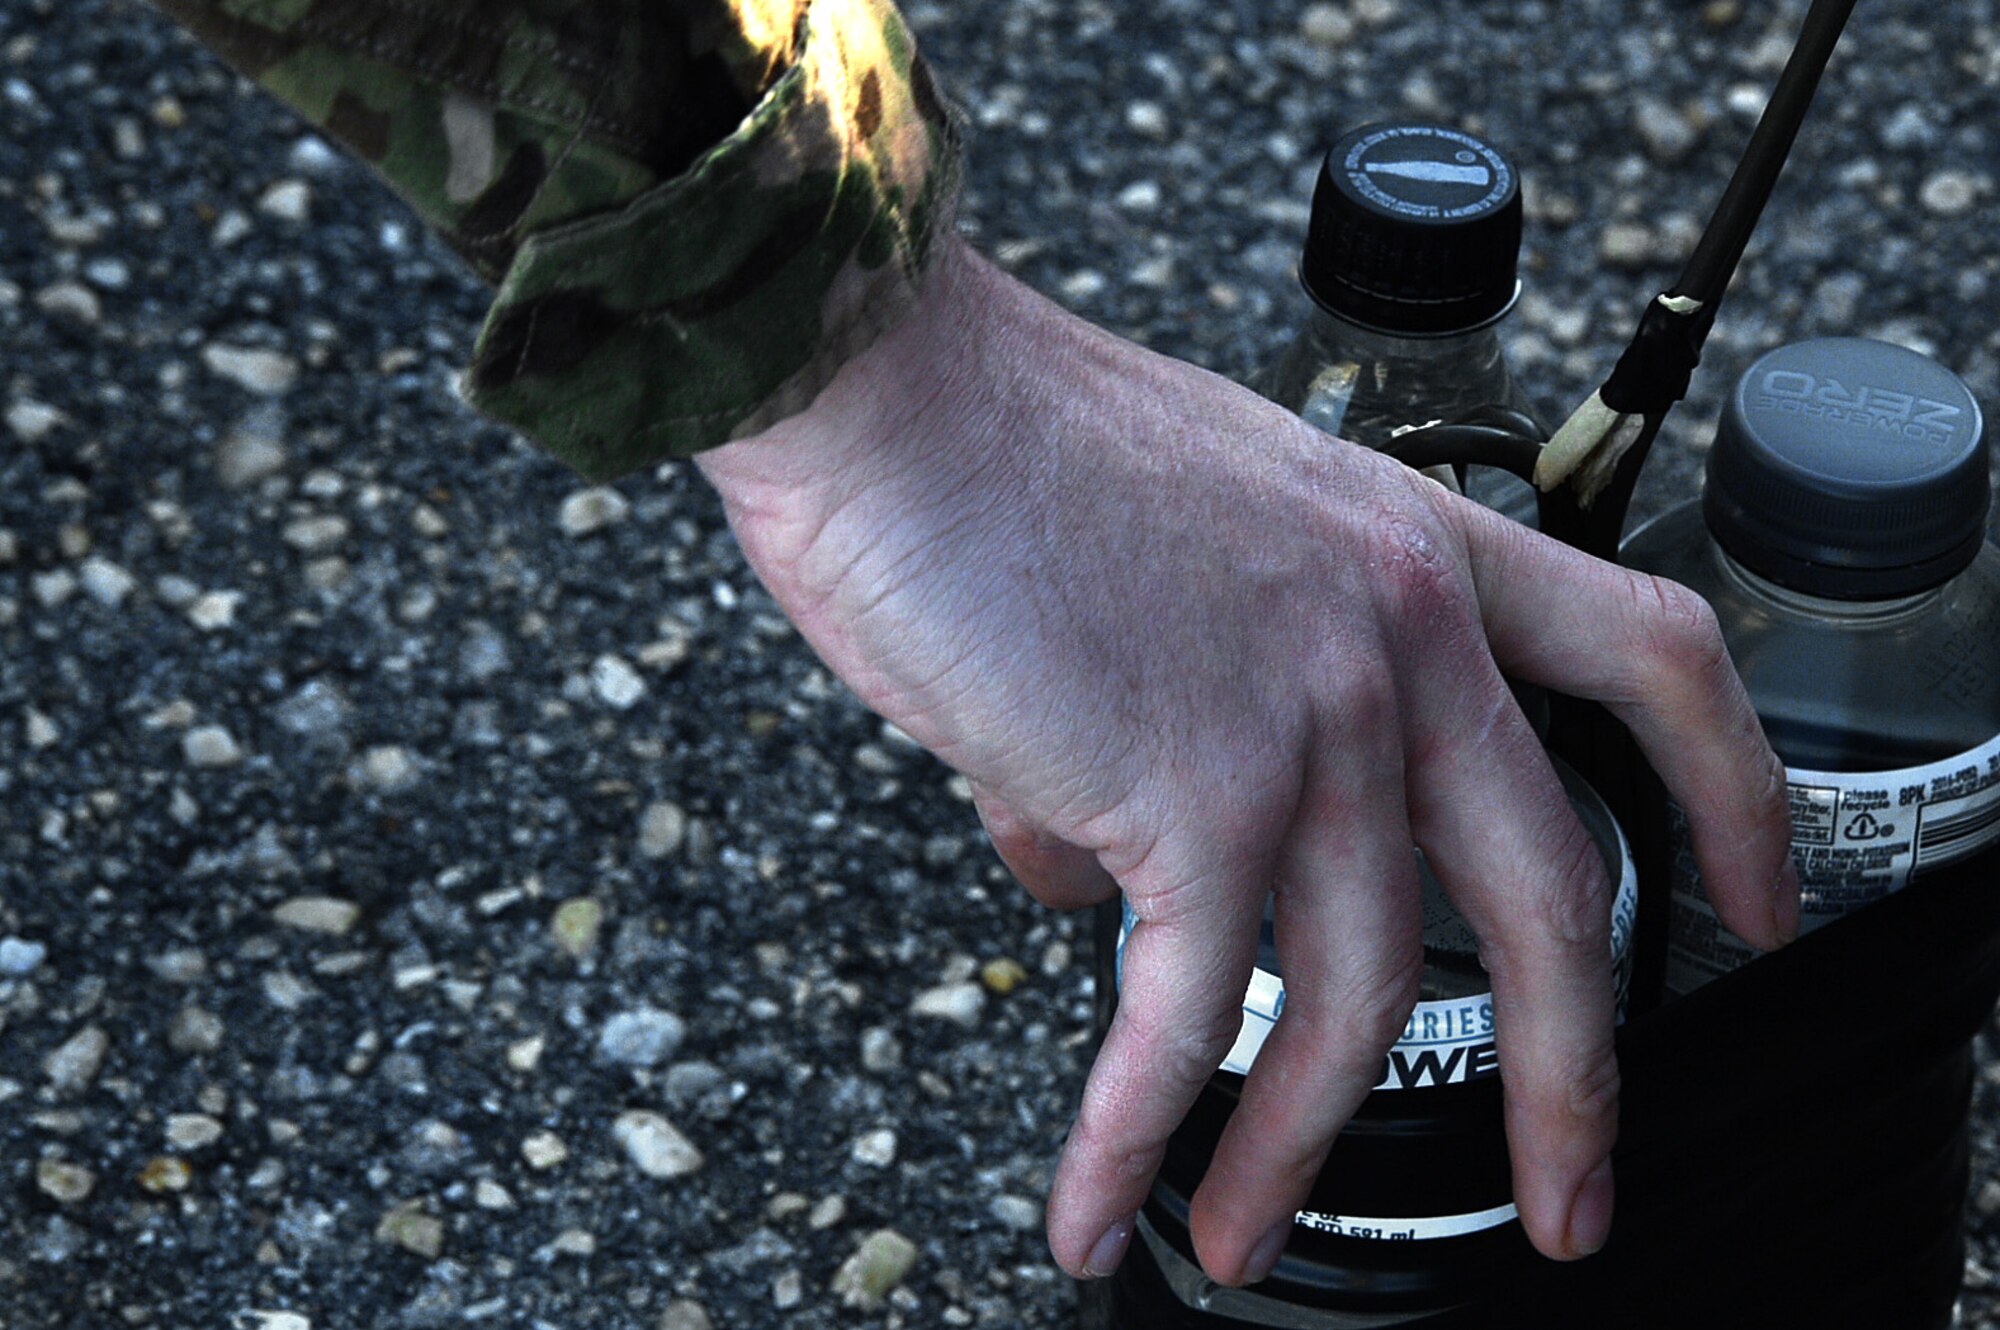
695	210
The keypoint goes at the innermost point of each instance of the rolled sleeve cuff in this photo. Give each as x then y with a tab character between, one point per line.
720	302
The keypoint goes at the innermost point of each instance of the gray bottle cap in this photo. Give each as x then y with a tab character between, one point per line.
1849	469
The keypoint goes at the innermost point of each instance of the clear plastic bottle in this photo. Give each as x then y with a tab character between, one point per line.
1841	539
1410	261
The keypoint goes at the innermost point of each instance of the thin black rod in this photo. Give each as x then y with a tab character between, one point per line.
1706	276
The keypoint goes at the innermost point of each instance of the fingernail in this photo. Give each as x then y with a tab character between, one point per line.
1110	1250
1785	902
1264	1256
1590	1212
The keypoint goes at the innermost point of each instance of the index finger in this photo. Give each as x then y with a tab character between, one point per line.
1651	651
1180	995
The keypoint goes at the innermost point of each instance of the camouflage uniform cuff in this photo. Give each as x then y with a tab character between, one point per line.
722	301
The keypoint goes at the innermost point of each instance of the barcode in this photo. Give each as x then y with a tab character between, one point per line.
1956	834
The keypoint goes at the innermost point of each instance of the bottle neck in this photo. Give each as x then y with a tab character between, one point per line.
1818	607
1364	343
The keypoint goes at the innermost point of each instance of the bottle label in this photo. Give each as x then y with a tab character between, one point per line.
1408	1229
1856	837
1447	1041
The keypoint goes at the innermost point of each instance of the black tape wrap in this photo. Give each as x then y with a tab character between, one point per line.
1792	1146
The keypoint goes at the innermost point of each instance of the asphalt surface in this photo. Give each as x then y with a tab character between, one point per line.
430	897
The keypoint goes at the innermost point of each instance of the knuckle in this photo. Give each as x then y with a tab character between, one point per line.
1590	1092
1683	634
1416	575
1572	902
1184	1051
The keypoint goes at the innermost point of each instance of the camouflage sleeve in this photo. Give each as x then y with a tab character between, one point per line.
695	210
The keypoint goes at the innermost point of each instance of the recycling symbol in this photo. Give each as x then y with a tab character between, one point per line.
1864	827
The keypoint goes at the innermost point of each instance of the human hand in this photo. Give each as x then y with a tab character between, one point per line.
1189	648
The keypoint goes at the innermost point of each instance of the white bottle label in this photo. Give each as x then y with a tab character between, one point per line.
1857	837
1447	1041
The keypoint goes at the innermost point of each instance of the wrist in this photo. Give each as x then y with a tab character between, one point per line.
918	386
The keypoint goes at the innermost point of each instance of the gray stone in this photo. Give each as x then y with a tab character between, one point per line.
390	768
32	421
64	1183
20	957
76	1061
105	582
685	1314
642	1037
252	451
879	1265
194	1030
662	828
1017	1213
316	535
881	1051
253	368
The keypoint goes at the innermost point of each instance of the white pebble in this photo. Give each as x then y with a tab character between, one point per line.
316	535
1146	118
105	582
1326	25
192	1131
642	1037
212	610
31	420
1950	193
877	1148
64	1183
266	373
616	683
389	768
195	1031
662	828
654	1146
277	1321
591	510
1016	1212
75	1063
70	300
210	746
20	957
544	1150
318	914
959	1003
287	200
251	452
41	731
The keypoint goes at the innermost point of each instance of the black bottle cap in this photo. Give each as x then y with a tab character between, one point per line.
1849	469
1416	229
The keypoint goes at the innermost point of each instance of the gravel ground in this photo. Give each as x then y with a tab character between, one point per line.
433	894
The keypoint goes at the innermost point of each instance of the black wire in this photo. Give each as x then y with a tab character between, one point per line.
1709	268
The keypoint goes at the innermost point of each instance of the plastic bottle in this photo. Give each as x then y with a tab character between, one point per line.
1413	1209
1842	540
1410	261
